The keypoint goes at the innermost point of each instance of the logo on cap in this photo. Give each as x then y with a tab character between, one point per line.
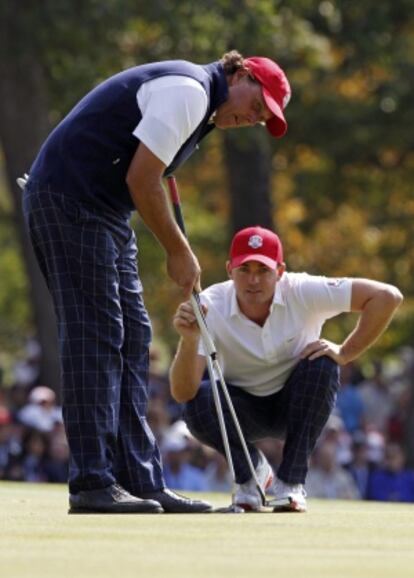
255	241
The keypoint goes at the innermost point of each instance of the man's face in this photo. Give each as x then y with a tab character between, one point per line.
245	105
254	283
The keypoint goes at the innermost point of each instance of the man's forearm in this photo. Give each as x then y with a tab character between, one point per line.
153	207
144	183
374	319
185	374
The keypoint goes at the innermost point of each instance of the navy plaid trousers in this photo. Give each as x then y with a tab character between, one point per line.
297	414
88	258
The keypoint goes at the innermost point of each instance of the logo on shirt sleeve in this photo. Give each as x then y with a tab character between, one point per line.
335	282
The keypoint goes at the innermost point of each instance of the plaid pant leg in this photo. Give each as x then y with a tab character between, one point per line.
138	463
77	256
305	403
253	415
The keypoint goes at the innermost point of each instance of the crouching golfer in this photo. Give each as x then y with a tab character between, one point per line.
282	377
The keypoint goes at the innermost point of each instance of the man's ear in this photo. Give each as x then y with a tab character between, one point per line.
280	269
228	269
238	75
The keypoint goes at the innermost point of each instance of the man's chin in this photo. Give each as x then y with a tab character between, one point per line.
254	297
224	126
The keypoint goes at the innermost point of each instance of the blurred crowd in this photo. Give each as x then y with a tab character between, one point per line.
366	450
33	445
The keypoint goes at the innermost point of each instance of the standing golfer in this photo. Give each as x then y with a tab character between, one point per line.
106	158
282	377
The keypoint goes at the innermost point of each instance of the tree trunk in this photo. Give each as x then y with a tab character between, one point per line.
248	162
23	126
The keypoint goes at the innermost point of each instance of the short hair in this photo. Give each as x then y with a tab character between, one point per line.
232	61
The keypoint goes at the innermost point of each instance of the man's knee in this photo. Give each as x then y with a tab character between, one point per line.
321	373
326	367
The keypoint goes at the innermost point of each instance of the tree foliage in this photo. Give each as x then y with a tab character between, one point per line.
340	181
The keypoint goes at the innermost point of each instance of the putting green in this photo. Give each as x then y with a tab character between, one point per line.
335	539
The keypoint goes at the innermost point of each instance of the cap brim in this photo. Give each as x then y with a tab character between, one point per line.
241	259
277	125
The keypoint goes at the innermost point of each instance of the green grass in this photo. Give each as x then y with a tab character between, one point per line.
335	539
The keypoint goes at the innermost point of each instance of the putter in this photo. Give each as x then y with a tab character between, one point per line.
216	374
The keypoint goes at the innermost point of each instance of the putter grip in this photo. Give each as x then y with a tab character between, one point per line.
175	199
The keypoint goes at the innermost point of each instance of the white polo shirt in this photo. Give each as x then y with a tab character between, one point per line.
260	359
172	107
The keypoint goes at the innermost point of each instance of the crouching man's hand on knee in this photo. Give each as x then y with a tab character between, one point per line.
322	347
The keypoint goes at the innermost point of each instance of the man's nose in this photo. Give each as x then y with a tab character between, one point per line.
254	278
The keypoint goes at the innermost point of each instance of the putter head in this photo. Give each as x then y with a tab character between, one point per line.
278	504
232	509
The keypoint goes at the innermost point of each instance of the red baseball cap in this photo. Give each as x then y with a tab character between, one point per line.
256	244
275	89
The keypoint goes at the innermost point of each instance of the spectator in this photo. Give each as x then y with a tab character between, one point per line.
178	472
326	479
41	413
159	392
393	482
377	399
11	435
217	475
34	457
17	398
375	442
5	450
360	467
27	371
408	414
336	434
349	402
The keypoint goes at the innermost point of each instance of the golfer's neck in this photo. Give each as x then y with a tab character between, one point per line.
256	313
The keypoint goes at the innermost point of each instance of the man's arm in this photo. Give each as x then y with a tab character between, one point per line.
376	302
188	366
144	182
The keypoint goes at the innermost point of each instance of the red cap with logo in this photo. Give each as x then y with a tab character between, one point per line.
256	244
275	89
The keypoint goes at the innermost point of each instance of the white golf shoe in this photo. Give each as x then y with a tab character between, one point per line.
246	494
288	497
